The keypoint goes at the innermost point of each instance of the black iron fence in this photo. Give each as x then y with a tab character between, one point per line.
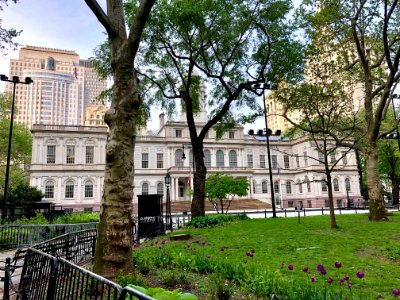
14	236
49	271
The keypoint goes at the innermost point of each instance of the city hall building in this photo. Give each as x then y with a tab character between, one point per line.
68	165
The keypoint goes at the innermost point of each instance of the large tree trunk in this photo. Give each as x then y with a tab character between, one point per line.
114	237
199	180
376	201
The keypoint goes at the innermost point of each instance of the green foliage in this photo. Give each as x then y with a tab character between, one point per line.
38	219
213	220
163	294
133	278
220	288
23	193
359	245
75	218
222	188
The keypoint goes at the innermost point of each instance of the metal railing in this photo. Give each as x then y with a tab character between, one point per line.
49	272
47	277
14	236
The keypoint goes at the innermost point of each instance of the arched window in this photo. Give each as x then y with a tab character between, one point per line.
178	158
49	190
69	189
160	188
308	183
276	187
264	187
88	189
336	185
288	187
145	188
207	158
232	159
220	158
300	185
347	184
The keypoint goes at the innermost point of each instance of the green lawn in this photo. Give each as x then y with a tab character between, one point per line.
360	246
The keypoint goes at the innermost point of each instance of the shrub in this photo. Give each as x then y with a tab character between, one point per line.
213	220
75	218
132	278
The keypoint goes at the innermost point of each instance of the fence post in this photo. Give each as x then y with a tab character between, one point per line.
24	288
51	291
265	213
304	211
322	209
6	292
285	213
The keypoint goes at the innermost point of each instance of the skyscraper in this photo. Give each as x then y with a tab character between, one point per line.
63	86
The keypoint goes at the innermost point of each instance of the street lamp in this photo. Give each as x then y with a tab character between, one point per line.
184	156
168	219
268	133
15	81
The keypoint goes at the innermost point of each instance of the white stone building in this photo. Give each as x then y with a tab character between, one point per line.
68	165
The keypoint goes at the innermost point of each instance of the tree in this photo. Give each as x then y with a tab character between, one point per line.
7	35
21	149
364	37
114	238
327	121
389	160
221	189
232	46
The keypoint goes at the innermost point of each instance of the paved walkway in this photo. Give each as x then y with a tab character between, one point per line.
17	273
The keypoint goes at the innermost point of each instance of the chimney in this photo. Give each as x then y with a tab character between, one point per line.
161	119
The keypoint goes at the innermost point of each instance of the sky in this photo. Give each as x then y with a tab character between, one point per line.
60	24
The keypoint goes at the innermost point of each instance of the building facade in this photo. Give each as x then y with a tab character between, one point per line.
63	85
68	166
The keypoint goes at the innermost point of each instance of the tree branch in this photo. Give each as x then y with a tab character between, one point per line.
101	16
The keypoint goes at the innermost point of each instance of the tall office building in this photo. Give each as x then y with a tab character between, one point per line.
63	86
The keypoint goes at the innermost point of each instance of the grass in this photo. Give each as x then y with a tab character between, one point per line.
360	245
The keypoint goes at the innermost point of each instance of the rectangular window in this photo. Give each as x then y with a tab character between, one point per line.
178	133
250	160
305	158
70	154
89	154
145	160
321	157
69	191
160	160
231	134
297	161
51	154
286	161
290	203
274	160
333	158
88	190
49	192
344	159
262	161
309	203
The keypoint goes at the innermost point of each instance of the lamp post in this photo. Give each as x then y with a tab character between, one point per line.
168	219
15	81
268	133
